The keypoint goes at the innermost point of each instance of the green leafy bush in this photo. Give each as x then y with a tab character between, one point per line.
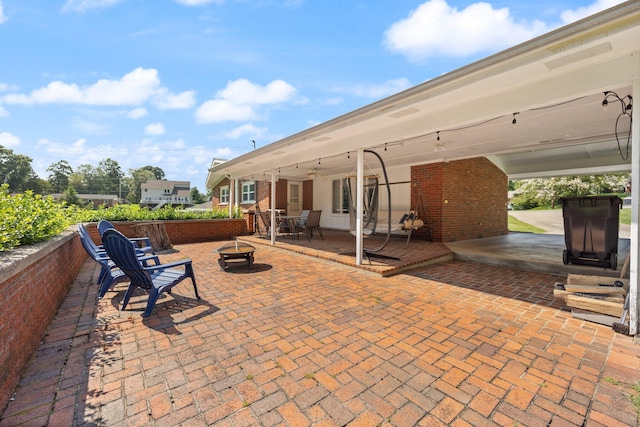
29	218
136	213
525	201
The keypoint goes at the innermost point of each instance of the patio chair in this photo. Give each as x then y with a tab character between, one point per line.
302	221
265	219
312	223
142	244
157	279
109	273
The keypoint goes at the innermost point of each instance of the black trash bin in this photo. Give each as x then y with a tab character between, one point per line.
591	230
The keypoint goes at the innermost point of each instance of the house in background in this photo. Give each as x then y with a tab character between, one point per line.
157	193
96	200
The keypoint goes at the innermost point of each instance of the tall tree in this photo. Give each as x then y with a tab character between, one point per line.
197	197
157	172
59	176
110	176
138	177
85	179
15	170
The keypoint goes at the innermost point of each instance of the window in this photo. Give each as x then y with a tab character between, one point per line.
340	196
224	194
249	192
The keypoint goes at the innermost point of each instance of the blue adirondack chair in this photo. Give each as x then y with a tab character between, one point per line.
109	273
156	279
142	244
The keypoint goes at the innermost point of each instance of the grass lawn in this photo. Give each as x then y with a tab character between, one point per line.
523	227
625	216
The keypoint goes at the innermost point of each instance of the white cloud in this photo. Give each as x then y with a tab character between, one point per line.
3	18
569	16
6	88
242	91
88	127
168	101
248	130
84	5
241	100
51	147
387	88
198	2
221	110
8	140
134	88
155	129
437	29
223	153
137	113
3	112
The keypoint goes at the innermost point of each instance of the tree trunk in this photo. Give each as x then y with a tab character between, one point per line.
157	234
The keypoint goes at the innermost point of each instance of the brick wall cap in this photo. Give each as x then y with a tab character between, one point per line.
18	259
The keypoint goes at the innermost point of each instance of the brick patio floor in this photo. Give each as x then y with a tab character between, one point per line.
303	341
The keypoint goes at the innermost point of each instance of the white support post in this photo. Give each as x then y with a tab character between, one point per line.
273	207
359	204
635	200
232	196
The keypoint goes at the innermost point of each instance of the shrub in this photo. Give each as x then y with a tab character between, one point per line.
525	201
29	218
136	213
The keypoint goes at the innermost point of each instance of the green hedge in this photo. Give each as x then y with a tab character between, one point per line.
136	213
30	218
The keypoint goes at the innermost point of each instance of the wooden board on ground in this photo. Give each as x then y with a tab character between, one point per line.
595	305
590	289
560	291
585	280
157	234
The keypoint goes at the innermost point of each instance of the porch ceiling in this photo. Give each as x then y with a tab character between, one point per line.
554	83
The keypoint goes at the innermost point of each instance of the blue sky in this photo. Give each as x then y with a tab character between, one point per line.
175	83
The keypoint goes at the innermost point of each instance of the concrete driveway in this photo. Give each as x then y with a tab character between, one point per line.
551	221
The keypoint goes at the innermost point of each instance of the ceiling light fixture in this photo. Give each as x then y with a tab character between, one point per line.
514	121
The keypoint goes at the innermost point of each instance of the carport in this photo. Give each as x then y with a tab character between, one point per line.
533	110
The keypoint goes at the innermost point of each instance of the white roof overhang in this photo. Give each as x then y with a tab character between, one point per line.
554	83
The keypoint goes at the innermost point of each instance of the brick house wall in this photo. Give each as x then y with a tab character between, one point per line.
464	199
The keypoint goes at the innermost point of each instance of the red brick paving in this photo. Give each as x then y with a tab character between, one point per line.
303	341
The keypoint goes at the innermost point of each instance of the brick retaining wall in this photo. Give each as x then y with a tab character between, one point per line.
34	281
